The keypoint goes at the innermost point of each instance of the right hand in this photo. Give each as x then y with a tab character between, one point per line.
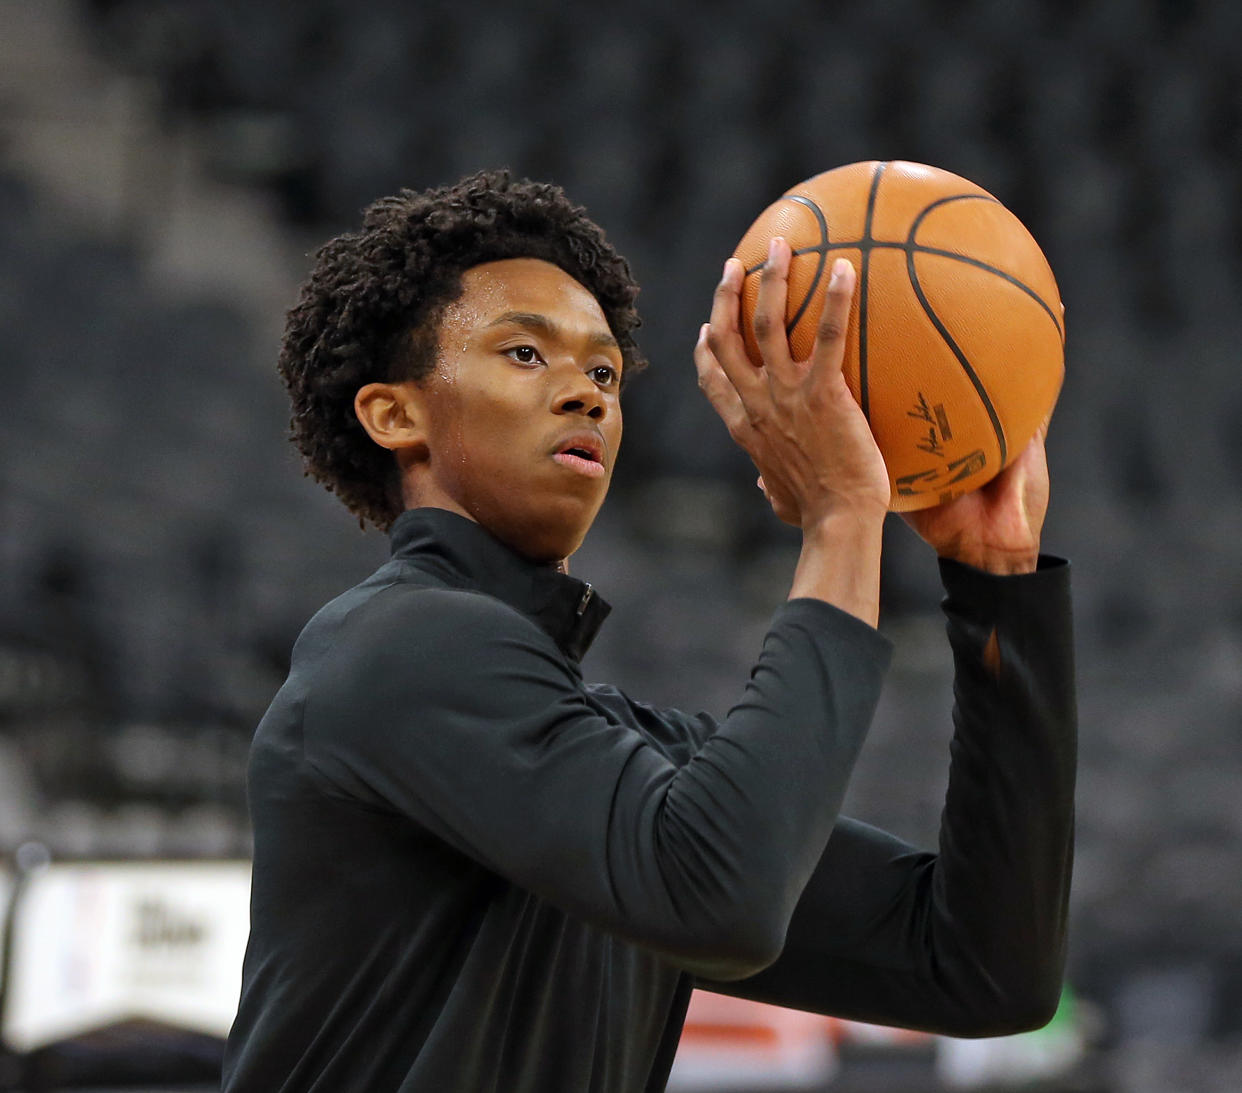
797	420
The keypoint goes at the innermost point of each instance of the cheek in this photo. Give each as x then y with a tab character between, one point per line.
444	430
476	438
450	438
613	428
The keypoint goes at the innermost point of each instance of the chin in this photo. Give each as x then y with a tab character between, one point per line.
549	527
542	550
541	546
548	536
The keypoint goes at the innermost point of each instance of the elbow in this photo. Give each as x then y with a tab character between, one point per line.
1005	989
737	948
1033	1010
1017	1018
1019	1010
735	962
1032	999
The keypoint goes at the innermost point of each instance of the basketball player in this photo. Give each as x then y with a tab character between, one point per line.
474	871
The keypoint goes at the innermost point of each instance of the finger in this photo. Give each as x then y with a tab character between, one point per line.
1034	456
1042	431
726	300
1030	465
715	385
787	512
770	306
724	337
828	353
1034	449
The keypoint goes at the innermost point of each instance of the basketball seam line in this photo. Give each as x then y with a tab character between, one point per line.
823	255
865	245
957	350
980	390
918	220
921	248
864	394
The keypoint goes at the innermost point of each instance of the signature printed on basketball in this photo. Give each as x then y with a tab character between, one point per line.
930	443
937	420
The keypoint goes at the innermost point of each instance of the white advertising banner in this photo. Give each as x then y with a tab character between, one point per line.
93	944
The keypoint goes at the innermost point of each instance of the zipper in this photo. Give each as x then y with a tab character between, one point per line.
587	593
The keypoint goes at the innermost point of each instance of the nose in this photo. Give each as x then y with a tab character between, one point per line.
579	394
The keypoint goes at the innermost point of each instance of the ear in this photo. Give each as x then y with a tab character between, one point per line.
394	416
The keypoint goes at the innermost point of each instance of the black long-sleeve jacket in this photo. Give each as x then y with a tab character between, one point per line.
475	872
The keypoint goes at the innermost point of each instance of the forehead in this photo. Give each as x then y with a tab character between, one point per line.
525	285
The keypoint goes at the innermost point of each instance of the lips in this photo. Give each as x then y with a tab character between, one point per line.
582	452
584	446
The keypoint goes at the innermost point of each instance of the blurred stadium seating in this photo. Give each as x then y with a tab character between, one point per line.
160	550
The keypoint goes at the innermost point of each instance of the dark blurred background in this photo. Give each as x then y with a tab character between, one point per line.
168	166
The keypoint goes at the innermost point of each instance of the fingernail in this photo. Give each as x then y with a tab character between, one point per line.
839	269
703	331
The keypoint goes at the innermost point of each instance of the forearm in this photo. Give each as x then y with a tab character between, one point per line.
840	562
969	941
744	823
1006	843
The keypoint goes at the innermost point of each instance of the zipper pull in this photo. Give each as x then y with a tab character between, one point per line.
587	593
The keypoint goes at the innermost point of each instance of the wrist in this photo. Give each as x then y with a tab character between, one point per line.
854	517
1001	563
840	561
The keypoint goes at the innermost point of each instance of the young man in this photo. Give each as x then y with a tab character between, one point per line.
476	872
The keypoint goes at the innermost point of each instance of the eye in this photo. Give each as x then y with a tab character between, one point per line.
524	354
605	375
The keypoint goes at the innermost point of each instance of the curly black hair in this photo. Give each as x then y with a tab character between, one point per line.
371	309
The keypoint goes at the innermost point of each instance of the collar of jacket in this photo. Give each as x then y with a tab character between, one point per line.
464	554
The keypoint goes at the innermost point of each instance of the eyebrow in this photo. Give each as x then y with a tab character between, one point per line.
531	320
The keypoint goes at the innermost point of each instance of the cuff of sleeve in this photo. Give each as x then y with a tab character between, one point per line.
975	593
822	617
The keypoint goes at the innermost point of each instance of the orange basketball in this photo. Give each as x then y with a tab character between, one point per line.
956	344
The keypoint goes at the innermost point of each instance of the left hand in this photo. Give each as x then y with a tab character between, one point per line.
996	527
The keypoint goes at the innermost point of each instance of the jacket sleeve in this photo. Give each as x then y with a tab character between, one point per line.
969	941
459	713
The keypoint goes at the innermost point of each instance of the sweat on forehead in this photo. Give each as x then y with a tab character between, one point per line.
525	297
521	289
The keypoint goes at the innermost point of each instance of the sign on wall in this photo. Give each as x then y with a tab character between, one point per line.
93	944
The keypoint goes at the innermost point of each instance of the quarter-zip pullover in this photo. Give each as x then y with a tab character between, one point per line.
474	871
